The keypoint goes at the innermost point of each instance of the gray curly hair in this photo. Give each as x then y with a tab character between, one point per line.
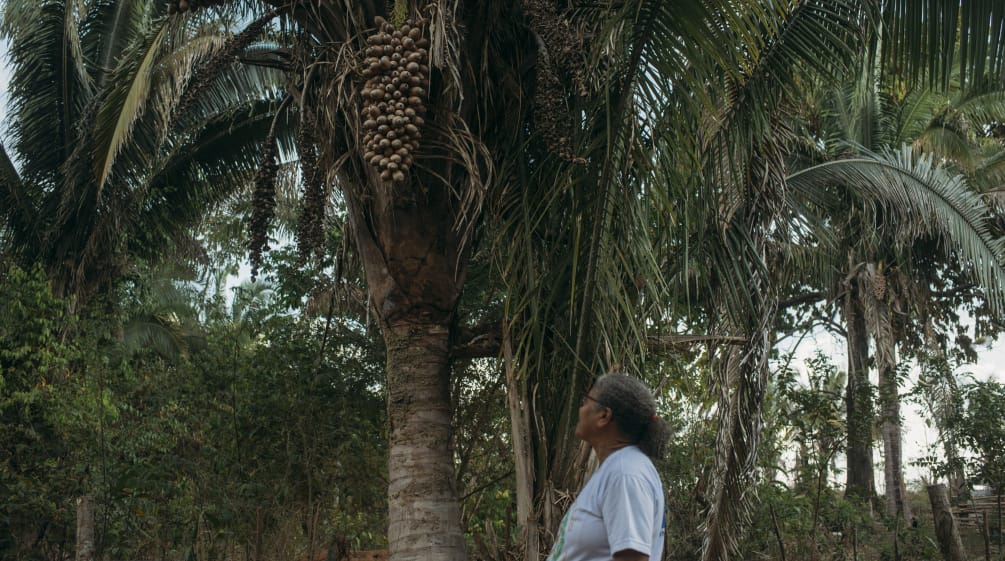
634	410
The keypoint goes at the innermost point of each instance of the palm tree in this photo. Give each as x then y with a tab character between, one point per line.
866	117
95	179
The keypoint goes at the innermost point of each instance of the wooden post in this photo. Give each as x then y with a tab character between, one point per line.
85	528
946	530
986	532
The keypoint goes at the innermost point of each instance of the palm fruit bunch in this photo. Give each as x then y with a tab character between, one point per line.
263	201
396	73
182	6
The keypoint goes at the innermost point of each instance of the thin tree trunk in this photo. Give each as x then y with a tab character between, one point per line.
889	398
986	534
943	409
860	480
424	517
946	529
519	414
85	528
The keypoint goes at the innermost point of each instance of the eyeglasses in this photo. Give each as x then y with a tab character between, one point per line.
587	396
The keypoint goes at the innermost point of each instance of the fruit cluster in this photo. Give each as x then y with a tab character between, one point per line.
396	70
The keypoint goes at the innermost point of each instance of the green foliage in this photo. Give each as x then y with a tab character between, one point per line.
37	472
270	432
980	429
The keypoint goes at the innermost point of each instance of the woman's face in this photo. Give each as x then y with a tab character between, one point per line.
590	411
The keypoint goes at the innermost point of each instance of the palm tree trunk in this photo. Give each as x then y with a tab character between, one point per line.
860	479
889	397
415	269
424	516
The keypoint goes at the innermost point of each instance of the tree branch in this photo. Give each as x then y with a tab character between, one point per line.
808	298
485	341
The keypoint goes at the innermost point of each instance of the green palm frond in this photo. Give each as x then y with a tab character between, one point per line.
926	200
161	332
91	182
929	39
915	114
989	173
201	173
982	107
107	30
949	145
124	102
48	88
19	206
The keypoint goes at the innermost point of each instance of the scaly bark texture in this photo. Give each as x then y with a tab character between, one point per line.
425	518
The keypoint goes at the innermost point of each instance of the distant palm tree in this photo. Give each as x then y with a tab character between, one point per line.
94	177
885	145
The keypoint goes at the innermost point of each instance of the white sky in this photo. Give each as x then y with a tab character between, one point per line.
917	437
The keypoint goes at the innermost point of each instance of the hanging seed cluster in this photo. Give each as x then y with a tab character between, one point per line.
562	55
310	229
879	285
182	6
396	70
263	202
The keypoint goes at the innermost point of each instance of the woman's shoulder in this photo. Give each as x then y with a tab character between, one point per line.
631	461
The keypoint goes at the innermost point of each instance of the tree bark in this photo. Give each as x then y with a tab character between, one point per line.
860	480
414	272
946	529
889	398
85	528
424	516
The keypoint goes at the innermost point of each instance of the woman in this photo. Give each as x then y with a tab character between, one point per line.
619	512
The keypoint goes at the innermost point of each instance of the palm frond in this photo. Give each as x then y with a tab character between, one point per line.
915	114
124	103
17	199
161	332
926	39
925	199
107	30
197	175
48	88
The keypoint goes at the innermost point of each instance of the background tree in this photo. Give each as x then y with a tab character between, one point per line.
95	180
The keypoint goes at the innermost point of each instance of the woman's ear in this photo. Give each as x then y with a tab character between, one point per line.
606	416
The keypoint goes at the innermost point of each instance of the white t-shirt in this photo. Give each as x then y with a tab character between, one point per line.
621	507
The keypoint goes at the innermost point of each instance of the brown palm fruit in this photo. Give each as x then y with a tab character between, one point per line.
394	93
263	202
